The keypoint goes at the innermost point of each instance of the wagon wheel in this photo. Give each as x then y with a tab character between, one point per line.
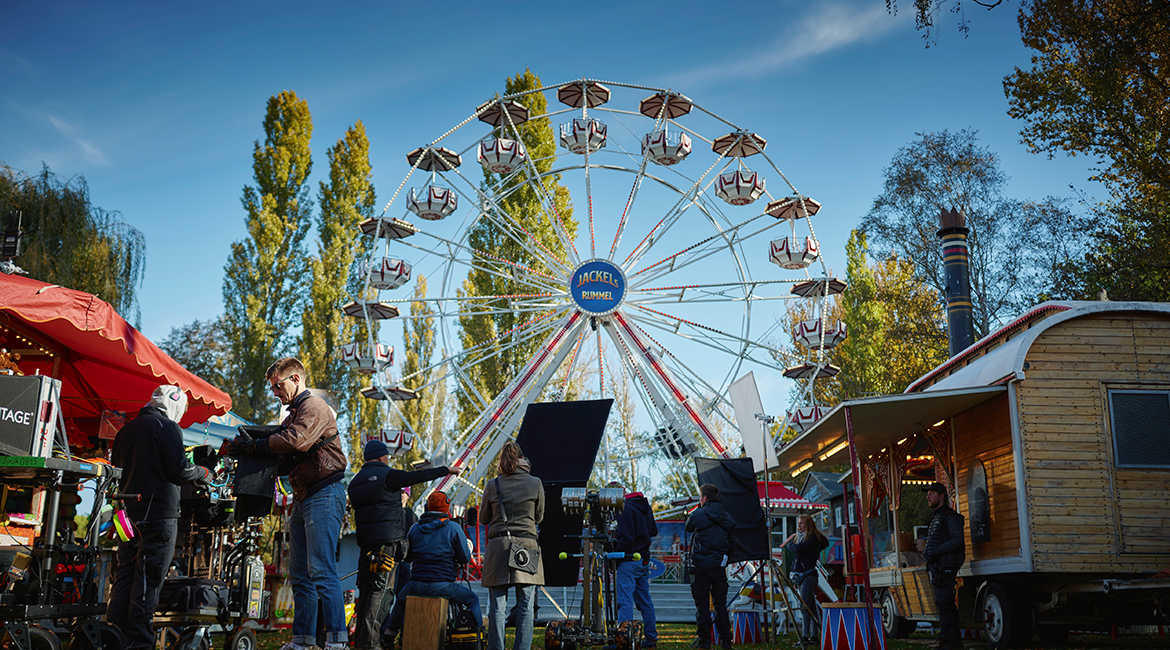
896	626
1006	620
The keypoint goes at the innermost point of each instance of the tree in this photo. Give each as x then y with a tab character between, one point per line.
504	357
202	348
346	200
71	242
1099	86
266	272
428	415
1012	242
926	14
896	325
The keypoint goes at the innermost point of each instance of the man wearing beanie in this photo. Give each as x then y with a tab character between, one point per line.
149	451
376	496
438	548
635	529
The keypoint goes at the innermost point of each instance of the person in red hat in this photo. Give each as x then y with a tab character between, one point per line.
438	549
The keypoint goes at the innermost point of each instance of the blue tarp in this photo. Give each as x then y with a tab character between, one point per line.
214	431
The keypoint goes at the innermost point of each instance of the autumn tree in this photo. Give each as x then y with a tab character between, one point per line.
69	241
896	325
1098	86
1014	244
927	12
266	272
345	200
533	210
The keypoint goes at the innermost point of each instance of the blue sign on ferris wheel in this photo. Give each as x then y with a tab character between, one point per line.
598	287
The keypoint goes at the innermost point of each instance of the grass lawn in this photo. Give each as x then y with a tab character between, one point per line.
677	636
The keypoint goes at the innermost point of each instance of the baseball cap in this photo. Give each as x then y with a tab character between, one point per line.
935	487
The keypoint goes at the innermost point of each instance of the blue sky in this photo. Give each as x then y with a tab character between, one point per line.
158	104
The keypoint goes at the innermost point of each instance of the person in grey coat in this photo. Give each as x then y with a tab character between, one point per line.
513	504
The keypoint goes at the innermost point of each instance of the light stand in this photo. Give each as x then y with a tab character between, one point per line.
769	604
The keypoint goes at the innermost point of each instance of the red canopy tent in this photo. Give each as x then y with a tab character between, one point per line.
103	362
780	496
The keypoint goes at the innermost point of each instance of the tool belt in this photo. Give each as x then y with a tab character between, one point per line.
382	559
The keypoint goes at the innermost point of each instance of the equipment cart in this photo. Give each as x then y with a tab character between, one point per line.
53	577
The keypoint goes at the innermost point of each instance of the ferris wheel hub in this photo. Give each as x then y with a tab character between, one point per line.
598	287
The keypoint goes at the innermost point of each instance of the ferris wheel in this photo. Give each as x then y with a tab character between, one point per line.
666	274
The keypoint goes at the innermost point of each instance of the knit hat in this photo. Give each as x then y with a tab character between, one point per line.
374	450
438	502
171	399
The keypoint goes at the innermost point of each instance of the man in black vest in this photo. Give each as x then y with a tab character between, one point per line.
944	555
376	496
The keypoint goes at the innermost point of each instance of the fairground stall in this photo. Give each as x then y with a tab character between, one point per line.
72	371
1050	434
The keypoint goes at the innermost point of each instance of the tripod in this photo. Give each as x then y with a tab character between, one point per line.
770	596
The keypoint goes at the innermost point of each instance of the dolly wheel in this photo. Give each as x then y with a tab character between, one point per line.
38	638
109	637
241	639
186	641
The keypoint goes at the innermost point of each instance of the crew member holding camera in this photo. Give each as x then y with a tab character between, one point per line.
635	528
149	451
712	541
308	439
438	548
376	496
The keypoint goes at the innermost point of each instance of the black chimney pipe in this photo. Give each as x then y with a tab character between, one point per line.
956	275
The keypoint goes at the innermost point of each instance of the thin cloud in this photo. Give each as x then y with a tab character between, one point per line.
828	27
92	154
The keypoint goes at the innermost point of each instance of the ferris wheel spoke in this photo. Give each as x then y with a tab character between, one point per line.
476	261
700	250
703	335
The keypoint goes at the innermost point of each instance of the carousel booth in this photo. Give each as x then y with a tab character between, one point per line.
72	372
1050	436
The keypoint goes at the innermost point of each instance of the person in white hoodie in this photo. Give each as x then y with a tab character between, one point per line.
149	451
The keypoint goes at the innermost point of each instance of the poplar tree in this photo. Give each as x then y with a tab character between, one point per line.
531	209
266	271
346	199
427	415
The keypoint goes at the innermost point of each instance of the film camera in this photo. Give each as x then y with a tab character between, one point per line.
596	625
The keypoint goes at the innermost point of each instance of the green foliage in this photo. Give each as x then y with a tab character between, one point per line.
266	272
522	207
896	325
1099	86
71	242
1015	245
201	347
426	416
346	199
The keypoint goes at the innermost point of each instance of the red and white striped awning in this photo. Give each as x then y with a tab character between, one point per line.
780	496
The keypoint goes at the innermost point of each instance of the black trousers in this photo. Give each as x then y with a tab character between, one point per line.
710	586
143	562
943	581
376	591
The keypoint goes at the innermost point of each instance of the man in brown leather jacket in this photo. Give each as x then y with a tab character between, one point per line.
308	440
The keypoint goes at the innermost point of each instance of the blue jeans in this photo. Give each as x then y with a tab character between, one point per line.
315	528
498	612
633	588
808	593
452	591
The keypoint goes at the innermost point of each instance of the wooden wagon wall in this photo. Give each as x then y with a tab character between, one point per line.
984	433
1086	515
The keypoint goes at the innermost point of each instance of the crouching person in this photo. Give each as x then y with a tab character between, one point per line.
438	548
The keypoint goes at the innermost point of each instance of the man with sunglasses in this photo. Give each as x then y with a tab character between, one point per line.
308	440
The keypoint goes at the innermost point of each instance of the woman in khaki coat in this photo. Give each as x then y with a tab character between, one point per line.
513	504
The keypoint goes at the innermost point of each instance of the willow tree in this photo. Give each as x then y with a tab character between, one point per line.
534	211
346	199
266	272
71	242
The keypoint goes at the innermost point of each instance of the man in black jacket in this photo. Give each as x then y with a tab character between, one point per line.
149	451
944	555
635	529
712	540
376	496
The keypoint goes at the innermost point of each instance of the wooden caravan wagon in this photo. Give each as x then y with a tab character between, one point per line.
1053	434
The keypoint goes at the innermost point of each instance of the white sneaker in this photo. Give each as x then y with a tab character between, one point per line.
339	645
293	646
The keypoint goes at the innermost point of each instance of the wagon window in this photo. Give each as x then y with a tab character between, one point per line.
1141	426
